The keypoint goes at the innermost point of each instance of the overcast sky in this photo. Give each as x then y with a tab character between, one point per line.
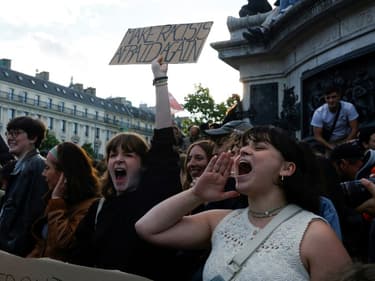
78	38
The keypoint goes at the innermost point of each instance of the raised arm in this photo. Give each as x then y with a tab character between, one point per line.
163	117
168	223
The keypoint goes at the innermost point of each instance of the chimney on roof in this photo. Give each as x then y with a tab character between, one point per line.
6	63
121	100
91	91
44	75
77	86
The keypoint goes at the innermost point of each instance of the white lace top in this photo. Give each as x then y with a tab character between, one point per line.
277	259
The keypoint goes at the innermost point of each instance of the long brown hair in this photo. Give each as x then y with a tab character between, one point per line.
82	181
208	147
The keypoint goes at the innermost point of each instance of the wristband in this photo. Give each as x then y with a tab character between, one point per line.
158	80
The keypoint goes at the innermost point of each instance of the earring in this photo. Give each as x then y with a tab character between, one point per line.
282	178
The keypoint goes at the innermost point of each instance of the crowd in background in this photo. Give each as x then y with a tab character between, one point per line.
178	208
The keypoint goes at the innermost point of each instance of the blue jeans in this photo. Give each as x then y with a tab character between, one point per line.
286	3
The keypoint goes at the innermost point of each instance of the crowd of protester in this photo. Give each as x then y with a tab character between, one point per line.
182	207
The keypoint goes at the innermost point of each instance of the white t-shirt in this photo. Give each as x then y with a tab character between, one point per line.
324	118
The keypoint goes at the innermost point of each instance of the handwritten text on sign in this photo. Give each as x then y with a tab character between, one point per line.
177	43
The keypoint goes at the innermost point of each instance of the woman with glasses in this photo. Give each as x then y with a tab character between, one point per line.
22	202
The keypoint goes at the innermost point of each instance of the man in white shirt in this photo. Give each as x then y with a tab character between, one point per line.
346	126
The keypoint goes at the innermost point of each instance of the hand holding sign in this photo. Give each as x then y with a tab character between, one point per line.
159	68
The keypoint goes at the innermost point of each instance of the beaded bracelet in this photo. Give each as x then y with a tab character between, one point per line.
159	80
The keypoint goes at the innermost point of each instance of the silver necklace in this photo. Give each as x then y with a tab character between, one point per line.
265	214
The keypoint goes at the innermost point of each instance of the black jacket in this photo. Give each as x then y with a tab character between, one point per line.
113	243
22	204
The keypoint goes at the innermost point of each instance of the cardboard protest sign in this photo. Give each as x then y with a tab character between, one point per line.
177	43
13	268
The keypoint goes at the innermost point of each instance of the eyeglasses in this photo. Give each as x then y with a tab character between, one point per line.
14	133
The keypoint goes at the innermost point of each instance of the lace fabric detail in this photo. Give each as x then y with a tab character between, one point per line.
278	258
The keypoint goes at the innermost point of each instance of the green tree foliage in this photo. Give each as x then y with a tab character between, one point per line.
89	149
203	108
49	142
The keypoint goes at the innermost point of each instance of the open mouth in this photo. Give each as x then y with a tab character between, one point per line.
120	173
244	168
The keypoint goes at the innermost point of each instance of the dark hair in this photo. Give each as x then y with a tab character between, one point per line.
81	177
130	143
32	127
331	87
365	134
208	147
301	188
357	272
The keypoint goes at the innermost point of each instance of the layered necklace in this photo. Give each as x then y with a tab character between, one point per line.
265	214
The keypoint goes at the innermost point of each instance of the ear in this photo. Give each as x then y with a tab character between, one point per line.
33	140
343	163
288	169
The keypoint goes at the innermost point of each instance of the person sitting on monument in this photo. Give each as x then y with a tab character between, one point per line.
335	121
261	33
254	7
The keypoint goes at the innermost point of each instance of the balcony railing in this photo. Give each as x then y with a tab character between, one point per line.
21	100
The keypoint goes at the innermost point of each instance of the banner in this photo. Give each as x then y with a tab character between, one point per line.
177	43
13	268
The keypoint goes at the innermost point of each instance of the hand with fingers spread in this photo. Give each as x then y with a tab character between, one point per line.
210	185
369	205
59	189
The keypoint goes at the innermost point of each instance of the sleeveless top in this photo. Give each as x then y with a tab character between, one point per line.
278	258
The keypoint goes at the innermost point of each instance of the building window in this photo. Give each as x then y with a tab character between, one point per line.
62	106
74	110
63	126
11	113
96	115
11	94
23	97
108	135
50	123
97	133
75	128
37	100
87	129
50	103
86	112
